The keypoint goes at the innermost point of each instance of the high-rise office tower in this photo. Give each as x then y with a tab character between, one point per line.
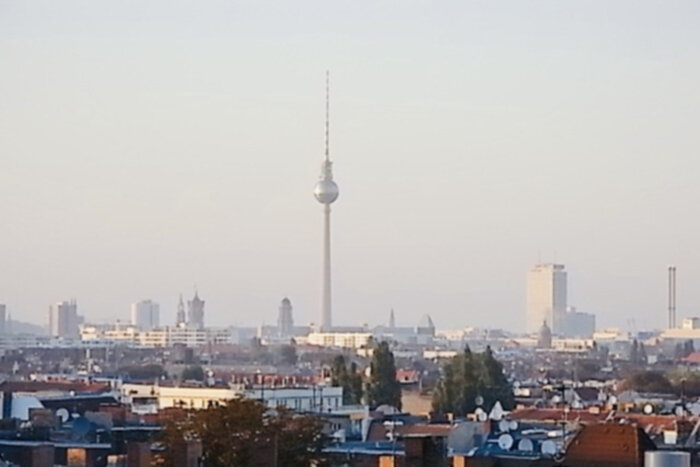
285	322
195	312
145	314
326	192
180	318
64	320
546	297
3	319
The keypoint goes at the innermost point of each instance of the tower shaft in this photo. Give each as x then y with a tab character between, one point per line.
326	316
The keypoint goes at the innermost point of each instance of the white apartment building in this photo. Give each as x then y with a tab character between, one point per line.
348	340
149	398
160	337
546	297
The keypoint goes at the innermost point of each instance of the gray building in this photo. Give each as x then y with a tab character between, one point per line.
195	312
64	320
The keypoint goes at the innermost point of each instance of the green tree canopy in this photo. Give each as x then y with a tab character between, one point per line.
649	381
349	379
244	433
194	372
383	388
469	376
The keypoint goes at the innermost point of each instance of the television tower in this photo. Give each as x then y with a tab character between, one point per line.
326	192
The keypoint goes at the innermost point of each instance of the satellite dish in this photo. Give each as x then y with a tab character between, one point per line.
549	448
481	416
505	442
504	426
648	409
680	411
526	445
63	415
479	400
513	425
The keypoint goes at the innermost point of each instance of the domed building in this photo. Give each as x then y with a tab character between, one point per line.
544	338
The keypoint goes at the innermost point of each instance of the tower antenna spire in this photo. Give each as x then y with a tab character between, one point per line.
328	98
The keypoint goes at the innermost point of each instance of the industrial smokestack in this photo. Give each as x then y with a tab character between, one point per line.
671	297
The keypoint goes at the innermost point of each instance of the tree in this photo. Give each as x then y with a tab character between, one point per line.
383	388
648	381
194	372
288	355
468	376
349	379
494	382
355	385
143	372
634	352
243	432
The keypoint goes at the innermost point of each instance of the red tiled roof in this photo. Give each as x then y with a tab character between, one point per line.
554	415
693	357
650	423
608	444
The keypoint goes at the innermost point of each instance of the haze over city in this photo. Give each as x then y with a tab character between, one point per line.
149	148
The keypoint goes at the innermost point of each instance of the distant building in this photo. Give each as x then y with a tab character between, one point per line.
158	337
546	297
64	320
544	340
577	324
145	314
180	317
421	334
195	312
348	340
285	321
3	319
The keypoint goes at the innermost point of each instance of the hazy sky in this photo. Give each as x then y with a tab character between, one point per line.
146	147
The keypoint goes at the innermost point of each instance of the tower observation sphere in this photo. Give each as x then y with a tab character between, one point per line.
326	191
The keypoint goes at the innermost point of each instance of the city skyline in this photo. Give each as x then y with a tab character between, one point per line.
472	142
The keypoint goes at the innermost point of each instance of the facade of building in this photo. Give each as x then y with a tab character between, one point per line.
546	297
148	398
159	337
285	321
64	320
348	340
577	324
3	319
195	312
145	315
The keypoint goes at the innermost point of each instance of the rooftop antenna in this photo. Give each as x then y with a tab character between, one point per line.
328	98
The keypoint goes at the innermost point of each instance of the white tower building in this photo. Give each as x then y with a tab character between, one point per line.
145	314
546	297
326	192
